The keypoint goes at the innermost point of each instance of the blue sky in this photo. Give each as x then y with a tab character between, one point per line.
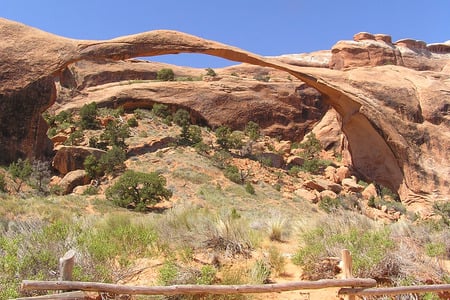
266	27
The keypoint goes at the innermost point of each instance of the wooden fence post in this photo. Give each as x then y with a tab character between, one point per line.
347	269
66	264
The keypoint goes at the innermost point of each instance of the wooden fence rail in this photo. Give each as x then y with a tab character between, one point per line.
350	287
195	289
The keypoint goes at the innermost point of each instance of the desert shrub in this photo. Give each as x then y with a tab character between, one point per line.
88	116
228	139
277	229
329	204
233	236
167	273
138	189
260	272
232	173
62	117
210	72
294	170
75	138
51	132
221	158
112	160
115	134
20	171
92	166
370	247
165	75
29	249
192	135
443	209
161	110
132	122
40	175
182	118
90	190
262	77
276	261
252	130
207	276
140	113
2	183
249	188
113	240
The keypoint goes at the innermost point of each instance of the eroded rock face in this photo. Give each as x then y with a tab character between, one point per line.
395	118
283	108
368	49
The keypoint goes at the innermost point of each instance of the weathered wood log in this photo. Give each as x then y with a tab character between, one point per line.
417	289
195	289
78	295
347	269
66	264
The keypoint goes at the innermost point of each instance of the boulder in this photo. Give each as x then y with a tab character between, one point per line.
341	173
295	161
311	196
330	173
283	147
350	185
322	185
73	179
70	158
369	192
328	193
271	159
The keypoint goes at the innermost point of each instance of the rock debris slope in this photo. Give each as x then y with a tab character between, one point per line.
395	117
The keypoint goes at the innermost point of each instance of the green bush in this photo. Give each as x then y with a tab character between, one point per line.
88	116
167	273
232	173
115	134
208	275
2	183
161	110
329	204
75	138
165	75
228	139
140	189
92	166
112	160
260	272
249	188
210	72
20	171
252	130
182	118
262	77
132	122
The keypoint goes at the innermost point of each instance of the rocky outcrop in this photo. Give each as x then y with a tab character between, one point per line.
395	118
73	179
368	49
70	158
282	108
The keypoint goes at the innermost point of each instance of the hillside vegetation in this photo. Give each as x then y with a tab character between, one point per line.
170	202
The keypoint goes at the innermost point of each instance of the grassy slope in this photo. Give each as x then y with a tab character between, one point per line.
212	222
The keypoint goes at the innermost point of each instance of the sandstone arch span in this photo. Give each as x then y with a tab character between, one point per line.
385	144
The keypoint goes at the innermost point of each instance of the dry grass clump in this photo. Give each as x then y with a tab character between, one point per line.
231	236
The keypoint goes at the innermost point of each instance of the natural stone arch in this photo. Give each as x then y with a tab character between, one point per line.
378	149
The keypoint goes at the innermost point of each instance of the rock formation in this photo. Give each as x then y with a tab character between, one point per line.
282	107
395	118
